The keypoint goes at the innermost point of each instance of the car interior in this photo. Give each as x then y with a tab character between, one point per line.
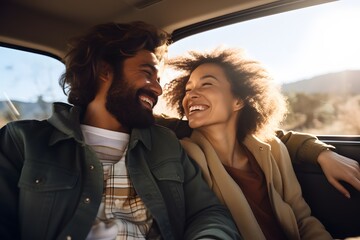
44	27
47	26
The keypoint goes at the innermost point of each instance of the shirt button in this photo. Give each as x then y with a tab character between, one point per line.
87	200
37	181
261	148
68	237
92	167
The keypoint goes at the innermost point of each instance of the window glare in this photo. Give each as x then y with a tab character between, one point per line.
293	45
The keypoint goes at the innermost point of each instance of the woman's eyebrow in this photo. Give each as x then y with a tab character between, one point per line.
204	77
208	76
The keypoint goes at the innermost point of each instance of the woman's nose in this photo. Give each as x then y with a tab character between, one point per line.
193	93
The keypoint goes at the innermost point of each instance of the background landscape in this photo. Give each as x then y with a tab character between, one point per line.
325	104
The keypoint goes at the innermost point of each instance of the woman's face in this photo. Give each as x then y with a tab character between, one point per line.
208	100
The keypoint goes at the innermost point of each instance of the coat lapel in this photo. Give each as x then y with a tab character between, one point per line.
229	192
263	154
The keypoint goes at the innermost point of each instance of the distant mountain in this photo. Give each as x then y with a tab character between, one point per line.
339	82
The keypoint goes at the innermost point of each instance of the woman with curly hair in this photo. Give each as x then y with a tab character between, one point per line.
234	107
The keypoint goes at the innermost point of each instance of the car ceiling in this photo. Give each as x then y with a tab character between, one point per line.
47	25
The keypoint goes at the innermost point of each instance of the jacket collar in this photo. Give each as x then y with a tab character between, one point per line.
66	119
140	135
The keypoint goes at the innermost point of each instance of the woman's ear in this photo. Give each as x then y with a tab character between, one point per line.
105	72
238	104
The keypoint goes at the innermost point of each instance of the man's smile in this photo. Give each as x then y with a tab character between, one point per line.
147	101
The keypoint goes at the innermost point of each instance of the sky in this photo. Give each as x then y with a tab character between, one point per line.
293	46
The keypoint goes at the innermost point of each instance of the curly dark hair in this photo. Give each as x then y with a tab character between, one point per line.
264	105
111	43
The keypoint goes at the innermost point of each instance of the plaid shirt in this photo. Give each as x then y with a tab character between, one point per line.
122	214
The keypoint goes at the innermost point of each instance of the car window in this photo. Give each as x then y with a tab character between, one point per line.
312	52
28	84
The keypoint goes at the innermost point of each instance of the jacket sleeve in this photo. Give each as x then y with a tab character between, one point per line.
309	226
178	126
302	146
10	167
206	217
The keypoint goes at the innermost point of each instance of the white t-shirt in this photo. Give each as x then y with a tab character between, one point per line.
122	214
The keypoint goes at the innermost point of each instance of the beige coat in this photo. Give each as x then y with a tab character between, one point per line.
284	190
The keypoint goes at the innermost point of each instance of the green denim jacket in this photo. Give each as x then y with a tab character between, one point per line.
52	183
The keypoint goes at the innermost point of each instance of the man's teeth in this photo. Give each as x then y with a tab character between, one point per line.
196	108
148	100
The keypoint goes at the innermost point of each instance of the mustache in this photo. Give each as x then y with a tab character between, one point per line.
121	91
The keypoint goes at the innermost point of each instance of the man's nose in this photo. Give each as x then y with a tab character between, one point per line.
156	87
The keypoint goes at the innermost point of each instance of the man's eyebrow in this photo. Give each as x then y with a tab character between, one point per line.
151	66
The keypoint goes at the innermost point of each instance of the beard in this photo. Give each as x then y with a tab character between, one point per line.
124	104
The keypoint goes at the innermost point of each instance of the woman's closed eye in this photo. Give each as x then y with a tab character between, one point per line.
207	84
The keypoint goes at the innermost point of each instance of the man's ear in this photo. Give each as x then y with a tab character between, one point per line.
105	72
238	104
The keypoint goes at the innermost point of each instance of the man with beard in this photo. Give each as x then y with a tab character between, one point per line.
100	168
